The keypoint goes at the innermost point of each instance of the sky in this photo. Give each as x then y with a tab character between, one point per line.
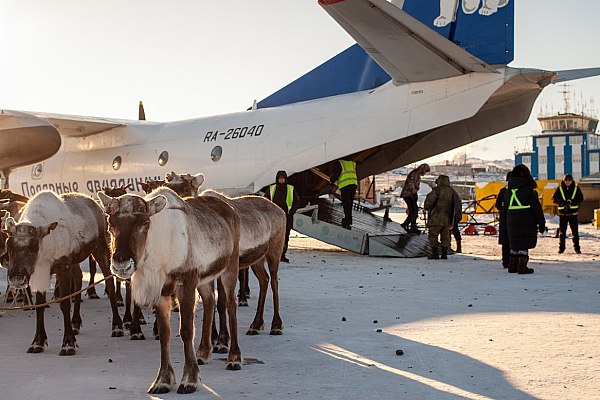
189	59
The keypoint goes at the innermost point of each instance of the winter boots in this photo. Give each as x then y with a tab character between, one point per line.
522	266
576	244
562	245
513	263
518	264
444	253
435	255
458	246
347	224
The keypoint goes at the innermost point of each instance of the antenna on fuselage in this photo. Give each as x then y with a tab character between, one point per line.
141	113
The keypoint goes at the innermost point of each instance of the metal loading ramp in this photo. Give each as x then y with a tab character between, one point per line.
370	234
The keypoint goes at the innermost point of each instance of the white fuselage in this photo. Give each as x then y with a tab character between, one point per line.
257	143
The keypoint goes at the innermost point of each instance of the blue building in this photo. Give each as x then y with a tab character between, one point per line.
568	144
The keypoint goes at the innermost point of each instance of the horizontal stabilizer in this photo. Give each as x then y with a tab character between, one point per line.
572	74
403	46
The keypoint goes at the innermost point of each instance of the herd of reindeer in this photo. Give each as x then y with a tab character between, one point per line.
167	246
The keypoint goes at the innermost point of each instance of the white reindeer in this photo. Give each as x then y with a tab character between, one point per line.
54	234
166	244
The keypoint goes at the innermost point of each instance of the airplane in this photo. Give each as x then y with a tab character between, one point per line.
425	77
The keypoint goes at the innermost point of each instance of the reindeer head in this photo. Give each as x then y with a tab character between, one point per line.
23	246
149	186
129	223
185	185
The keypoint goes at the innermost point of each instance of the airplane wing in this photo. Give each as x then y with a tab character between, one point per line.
30	137
79	126
404	47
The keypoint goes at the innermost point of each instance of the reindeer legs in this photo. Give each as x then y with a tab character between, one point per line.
207	292
186	295
165	380
77	283
40	340
65	282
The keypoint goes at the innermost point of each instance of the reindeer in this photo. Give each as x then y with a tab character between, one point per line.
262	236
262	230
91	291
151	185
10	205
166	244
130	322
55	233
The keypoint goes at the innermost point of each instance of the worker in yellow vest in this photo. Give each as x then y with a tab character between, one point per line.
567	197
286	197
344	177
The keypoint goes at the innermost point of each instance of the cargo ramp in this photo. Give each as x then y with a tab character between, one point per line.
370	234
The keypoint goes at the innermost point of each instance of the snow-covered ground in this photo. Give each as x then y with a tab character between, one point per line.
467	330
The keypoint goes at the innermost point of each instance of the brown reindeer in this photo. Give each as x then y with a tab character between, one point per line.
262	236
54	234
151	185
131	321
166	244
91	291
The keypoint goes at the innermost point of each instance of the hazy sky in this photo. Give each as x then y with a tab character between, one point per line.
189	59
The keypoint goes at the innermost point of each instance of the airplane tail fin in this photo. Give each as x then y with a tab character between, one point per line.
484	28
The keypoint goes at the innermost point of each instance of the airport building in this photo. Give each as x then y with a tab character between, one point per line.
568	144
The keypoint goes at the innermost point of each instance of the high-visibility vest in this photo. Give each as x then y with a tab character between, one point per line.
348	175
289	198
514	198
574	207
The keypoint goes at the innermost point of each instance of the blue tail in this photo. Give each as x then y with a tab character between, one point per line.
471	24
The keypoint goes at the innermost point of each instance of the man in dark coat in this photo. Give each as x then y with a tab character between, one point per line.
286	197
524	218
440	205
502	229
410	195
568	196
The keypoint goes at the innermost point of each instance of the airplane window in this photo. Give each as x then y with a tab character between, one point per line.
216	153
116	164
36	172
163	158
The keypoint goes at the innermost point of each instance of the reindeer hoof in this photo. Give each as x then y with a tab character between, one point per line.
67	351
76	331
117	332
220	349
120	303
252	332
234	366
243	303
159	389
35	348
137	336
186	389
92	296
276	332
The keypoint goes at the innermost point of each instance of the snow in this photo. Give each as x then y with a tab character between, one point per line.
468	330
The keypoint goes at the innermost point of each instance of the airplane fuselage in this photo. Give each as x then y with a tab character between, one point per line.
240	152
